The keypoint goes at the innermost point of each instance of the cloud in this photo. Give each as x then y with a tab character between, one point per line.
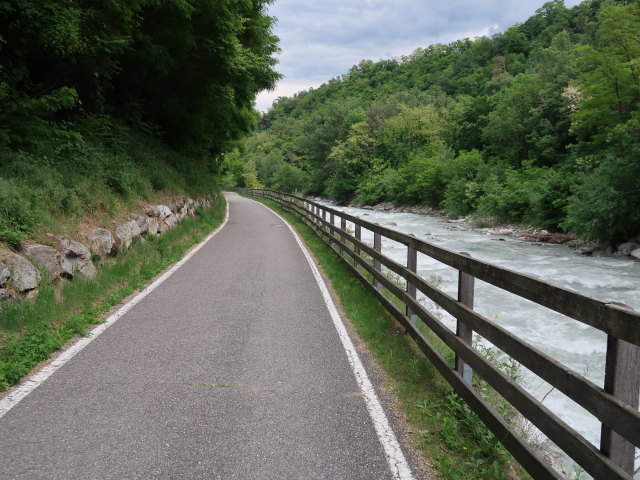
287	89
321	40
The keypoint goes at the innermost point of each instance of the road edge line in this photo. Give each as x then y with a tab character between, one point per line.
31	382
395	457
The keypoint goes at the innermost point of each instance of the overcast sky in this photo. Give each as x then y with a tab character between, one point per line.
321	39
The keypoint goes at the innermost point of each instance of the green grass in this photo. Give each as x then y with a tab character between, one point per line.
31	331
453	441
96	167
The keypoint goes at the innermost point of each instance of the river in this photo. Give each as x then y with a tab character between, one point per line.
578	346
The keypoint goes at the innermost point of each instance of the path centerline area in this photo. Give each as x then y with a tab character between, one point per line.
231	368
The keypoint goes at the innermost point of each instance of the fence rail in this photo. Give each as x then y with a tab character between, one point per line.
615	405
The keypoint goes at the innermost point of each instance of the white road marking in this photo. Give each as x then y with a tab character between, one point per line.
33	381
395	458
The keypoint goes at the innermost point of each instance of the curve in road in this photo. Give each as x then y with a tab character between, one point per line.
231	368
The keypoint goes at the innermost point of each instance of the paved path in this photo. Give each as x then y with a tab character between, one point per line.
230	369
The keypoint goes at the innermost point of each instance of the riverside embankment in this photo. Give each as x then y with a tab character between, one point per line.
578	346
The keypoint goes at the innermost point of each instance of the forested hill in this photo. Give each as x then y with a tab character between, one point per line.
103	102
539	124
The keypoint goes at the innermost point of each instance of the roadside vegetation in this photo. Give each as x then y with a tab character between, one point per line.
31	331
457	445
103	105
539	124
102	169
106	107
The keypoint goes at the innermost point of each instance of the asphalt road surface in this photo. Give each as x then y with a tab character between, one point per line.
230	369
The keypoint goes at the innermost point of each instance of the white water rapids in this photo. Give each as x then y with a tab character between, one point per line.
576	345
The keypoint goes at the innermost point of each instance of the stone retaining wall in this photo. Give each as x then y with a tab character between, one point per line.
21	273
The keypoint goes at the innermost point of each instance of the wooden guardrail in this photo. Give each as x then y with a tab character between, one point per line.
615	405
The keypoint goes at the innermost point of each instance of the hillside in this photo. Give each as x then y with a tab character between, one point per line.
539	124
105	104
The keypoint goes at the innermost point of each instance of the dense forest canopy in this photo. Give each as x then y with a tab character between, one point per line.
188	68
105	101
539	124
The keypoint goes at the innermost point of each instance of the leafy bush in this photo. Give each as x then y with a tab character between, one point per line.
461	192
123	177
421	181
548	202
528	194
17	219
459	197
605	203
379	188
288	178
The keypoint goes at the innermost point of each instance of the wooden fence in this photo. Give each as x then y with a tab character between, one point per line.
615	406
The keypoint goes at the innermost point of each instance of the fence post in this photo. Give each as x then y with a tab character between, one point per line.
622	379
412	265
377	246
356	249
466	285
332	219
343	227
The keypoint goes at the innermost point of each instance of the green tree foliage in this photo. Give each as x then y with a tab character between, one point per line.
605	202
102	102
188	68
537	124
610	78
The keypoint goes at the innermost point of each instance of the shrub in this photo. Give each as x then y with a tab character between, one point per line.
605	204
17	219
421	182
458	197
288	178
379	187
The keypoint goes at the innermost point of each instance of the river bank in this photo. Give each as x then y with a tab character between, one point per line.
525	233
580	347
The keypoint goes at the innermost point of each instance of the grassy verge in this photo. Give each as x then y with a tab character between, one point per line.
31	331
94	168
452	439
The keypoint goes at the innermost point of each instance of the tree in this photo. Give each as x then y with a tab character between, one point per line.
348	161
188	68
411	130
516	126
610	77
605	202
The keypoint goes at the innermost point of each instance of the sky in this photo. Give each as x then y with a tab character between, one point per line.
321	39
